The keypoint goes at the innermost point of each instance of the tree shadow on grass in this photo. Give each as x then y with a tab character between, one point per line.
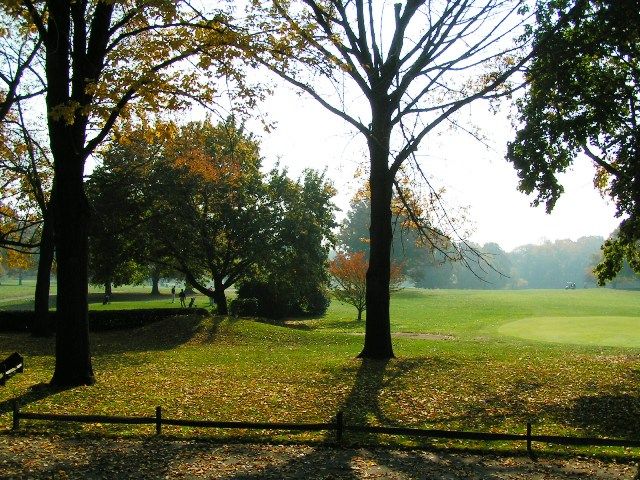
165	334
611	415
35	393
495	408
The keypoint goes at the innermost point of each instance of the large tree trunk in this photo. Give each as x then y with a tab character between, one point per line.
71	212
42	326
220	297
155	282
377	337
73	360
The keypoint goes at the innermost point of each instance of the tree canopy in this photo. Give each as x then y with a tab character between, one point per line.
582	102
105	63
195	201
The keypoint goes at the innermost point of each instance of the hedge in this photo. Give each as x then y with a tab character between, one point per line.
99	320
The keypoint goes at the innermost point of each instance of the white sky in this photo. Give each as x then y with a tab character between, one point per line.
473	175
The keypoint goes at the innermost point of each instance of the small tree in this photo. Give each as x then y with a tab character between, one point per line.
349	270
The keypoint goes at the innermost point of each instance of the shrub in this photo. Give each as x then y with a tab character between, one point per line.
272	302
317	302
243	307
99	320
277	300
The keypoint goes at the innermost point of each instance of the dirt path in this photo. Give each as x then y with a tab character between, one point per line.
57	457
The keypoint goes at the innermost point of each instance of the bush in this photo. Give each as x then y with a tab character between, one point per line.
317	302
99	320
276	301
272	303
243	307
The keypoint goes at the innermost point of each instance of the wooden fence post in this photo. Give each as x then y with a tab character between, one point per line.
158	420
529	449
16	415
339	426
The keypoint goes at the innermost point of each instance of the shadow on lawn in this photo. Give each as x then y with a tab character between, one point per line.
604	415
35	393
164	334
161	458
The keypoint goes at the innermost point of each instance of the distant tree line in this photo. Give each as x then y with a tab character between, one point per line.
551	264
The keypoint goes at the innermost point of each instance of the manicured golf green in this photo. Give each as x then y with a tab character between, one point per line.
602	331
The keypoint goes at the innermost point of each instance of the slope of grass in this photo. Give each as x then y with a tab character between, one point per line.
478	379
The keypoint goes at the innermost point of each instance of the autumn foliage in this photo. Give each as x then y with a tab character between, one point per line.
349	272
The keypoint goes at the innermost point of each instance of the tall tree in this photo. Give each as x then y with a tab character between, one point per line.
583	100
106	61
209	208
295	273
414	74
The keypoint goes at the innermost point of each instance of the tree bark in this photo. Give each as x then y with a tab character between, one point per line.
377	337
42	325
108	290
71	212
155	282
220	297
73	359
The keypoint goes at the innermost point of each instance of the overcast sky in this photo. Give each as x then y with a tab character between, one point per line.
473	175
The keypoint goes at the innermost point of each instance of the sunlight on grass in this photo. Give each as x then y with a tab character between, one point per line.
596	331
477	378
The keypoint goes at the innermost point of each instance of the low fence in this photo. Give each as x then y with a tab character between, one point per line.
339	426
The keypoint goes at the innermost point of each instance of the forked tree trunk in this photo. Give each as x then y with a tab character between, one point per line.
71	212
42	326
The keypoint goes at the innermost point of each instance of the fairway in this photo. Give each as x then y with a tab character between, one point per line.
594	331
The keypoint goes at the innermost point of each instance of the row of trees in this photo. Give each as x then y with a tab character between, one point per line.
192	201
548	265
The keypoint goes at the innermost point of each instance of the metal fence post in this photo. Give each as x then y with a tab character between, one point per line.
158	420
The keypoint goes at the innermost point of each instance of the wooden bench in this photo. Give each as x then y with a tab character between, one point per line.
11	365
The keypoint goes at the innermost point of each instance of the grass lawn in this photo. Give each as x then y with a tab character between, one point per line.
465	360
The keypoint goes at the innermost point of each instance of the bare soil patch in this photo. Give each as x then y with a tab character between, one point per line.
416	336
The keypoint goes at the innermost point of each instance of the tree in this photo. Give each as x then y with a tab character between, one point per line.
583	98
423	252
21	90
104	62
19	263
293	280
349	271
414	74
208	206
116	241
